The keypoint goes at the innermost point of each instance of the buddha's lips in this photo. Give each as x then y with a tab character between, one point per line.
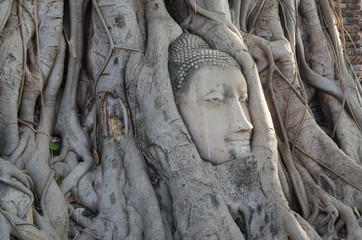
237	141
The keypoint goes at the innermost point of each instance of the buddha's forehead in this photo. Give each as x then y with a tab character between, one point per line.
217	78
189	53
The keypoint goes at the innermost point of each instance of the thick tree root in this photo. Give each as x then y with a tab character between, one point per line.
11	75
73	136
328	210
21	223
80	143
127	107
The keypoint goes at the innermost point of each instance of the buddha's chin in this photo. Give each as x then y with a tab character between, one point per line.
237	152
228	154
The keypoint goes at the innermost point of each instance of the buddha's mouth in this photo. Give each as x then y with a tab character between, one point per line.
238	141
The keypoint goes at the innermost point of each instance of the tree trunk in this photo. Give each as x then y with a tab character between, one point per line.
93	145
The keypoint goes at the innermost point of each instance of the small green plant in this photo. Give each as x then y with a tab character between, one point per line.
53	147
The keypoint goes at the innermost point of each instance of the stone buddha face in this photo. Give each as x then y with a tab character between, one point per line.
211	96
213	105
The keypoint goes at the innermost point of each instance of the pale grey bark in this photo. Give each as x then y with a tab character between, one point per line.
94	75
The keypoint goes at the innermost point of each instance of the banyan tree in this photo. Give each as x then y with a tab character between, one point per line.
177	119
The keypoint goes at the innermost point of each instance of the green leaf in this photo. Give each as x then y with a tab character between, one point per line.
53	147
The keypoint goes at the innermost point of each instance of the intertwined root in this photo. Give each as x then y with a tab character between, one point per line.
110	195
13	178
17	214
74	138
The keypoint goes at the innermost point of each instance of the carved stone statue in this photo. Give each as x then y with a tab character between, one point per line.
211	96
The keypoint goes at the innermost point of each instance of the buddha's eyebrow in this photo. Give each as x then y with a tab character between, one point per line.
242	91
214	91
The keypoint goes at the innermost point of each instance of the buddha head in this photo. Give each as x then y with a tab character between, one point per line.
212	98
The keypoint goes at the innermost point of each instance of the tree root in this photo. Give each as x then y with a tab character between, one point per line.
5	10
330	206
193	200
80	143
352	89
283	144
23	183
23	190
17	226
78	217
24	140
85	194
68	123
11	75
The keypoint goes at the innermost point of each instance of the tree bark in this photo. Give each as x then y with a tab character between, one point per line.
92	145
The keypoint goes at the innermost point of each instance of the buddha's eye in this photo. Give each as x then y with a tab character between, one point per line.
215	100
243	99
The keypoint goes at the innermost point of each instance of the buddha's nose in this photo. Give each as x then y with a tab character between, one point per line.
239	121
